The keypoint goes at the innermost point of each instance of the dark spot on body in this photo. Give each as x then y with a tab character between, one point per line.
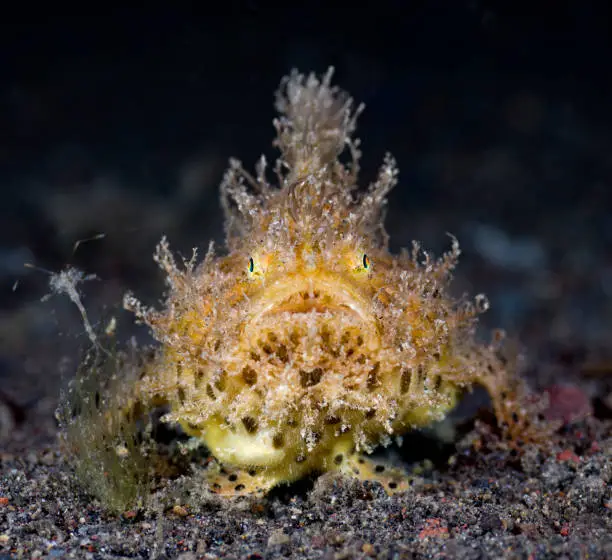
405	379
278	441
282	353
372	381
419	375
221	381
310	378
249	375
250	424
338	458
232	477
435	382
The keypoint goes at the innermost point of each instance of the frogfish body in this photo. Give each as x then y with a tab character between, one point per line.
305	341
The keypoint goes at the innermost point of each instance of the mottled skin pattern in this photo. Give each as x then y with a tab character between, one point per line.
307	341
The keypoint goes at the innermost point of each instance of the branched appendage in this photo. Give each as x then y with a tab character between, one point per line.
519	412
315	126
114	458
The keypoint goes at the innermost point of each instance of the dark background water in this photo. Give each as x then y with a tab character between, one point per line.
122	123
499	114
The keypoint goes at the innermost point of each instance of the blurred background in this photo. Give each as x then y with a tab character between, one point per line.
115	129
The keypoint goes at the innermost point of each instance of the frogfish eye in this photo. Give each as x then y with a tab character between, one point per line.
366	262
251	266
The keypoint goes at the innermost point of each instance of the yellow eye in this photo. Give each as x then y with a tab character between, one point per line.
251	266
366	262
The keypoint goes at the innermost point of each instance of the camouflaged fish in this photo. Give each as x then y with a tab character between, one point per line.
306	343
